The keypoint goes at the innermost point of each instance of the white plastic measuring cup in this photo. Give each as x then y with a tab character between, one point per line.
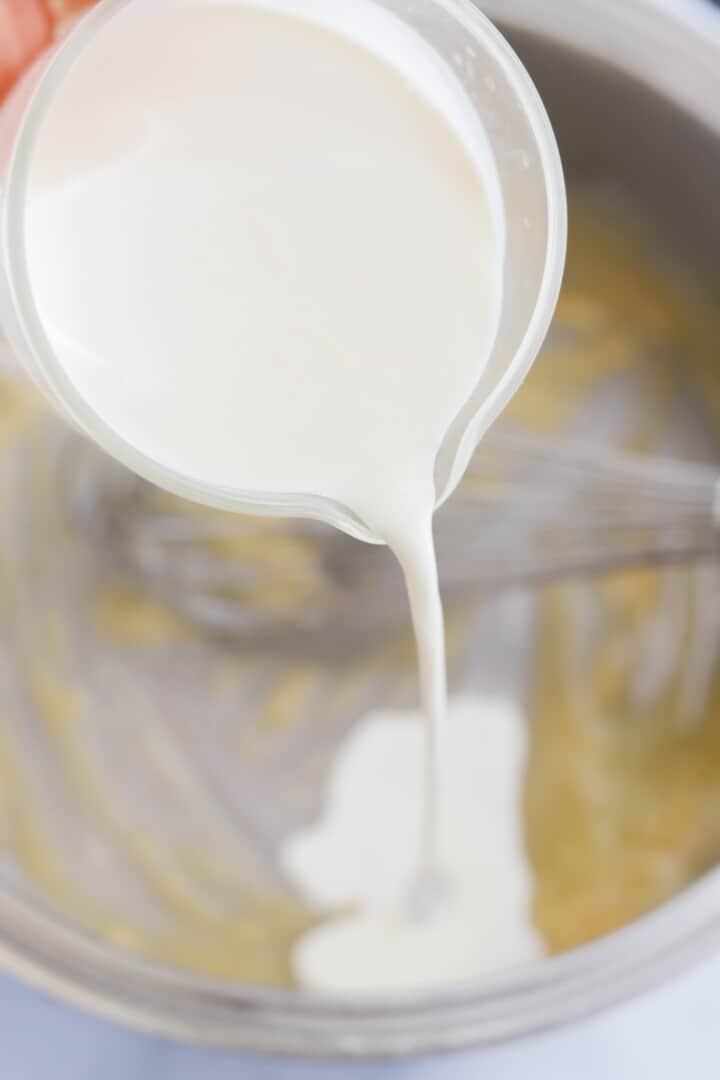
500	93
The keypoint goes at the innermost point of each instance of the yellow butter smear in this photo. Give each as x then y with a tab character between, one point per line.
195	908
622	806
148	769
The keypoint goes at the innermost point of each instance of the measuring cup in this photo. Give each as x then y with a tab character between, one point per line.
500	93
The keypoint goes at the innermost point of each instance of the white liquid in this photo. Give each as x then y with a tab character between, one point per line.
270	258
355	863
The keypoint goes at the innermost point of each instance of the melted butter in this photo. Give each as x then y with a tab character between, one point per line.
124	614
248	937
620	805
621	800
620	314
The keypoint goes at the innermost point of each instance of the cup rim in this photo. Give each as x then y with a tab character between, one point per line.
555	249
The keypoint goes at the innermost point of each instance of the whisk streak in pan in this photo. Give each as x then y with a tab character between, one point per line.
529	511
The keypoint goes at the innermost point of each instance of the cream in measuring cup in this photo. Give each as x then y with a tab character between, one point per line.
267	248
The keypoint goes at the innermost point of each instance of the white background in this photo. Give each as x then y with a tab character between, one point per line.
671	1034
